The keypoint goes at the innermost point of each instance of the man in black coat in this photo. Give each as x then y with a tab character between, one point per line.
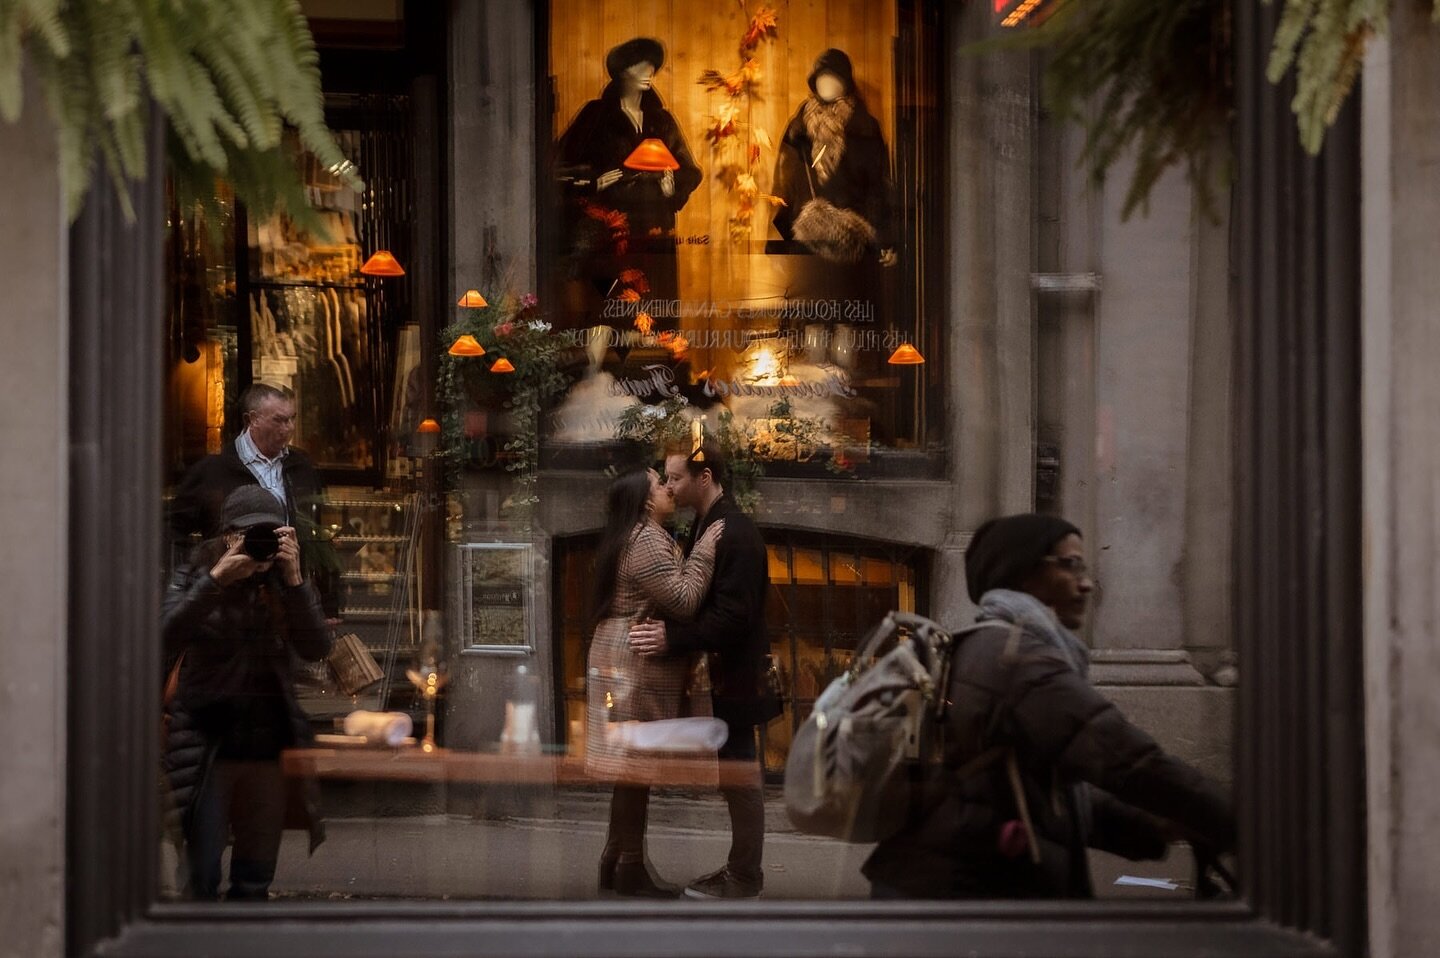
730	626
261	455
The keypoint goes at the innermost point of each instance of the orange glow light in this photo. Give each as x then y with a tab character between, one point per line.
382	264
467	345
472	300
427	426
906	355
651	156
502	365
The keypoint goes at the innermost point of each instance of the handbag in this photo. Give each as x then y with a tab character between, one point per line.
835	233
354	667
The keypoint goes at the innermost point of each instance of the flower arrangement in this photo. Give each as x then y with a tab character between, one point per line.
734	143
519	372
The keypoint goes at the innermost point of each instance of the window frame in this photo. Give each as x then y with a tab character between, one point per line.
1300	771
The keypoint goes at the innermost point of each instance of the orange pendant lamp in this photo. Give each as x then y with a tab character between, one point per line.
905	355
651	156
466	345
502	365
427	426
472	300
382	264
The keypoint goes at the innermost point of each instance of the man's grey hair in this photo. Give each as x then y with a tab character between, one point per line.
257	394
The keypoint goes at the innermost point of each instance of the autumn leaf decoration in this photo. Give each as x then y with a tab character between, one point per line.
734	143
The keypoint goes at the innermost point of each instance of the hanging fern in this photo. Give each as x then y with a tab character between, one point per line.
1155	79
230	75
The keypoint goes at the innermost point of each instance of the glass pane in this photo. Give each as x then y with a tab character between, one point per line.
816	270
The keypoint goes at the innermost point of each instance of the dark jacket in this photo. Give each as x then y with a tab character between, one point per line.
1016	690
597	141
235	691
731	619
201	491
861	181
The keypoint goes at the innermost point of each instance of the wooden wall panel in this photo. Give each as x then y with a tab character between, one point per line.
701	36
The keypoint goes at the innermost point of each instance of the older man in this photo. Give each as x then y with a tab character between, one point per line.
261	455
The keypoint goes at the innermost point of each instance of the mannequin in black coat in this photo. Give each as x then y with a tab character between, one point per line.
591	155
834	150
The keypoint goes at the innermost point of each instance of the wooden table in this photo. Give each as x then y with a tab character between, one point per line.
411	764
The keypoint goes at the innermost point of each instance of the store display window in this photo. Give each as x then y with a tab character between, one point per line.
744	219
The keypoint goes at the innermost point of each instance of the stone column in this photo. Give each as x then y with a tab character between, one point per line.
1401	394
34	432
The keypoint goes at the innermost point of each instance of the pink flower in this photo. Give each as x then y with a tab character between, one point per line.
529	301
505	328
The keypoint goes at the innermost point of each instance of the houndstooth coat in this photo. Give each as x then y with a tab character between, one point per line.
653	579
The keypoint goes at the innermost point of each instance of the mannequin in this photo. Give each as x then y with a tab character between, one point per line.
591	155
833	172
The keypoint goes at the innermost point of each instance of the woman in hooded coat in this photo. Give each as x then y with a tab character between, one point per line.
1075	774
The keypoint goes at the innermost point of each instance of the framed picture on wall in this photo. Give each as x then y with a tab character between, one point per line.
495	611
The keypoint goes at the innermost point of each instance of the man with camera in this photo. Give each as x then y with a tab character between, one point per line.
236	618
260	456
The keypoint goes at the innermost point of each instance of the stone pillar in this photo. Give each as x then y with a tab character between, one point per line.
33	432
991	416
493	148
1401	393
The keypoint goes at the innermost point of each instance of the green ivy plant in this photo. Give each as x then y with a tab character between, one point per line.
515	332
229	76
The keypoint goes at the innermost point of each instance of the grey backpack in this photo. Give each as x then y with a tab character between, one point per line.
851	765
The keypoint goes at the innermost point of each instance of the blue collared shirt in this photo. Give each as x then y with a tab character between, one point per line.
268	472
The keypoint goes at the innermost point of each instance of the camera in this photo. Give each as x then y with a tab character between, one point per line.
261	542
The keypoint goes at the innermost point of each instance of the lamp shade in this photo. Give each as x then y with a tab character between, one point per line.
472	300
502	365
906	355
466	345
381	263
427	426
651	156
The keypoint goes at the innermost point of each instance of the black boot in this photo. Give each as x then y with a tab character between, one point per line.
634	880
608	861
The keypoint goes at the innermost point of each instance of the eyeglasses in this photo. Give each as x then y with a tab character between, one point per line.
1072	564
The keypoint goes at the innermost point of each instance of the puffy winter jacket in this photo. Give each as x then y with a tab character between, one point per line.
1011	688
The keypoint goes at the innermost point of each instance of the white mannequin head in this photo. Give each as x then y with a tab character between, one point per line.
639	77
829	87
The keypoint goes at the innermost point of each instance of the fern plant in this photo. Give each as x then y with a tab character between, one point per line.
229	75
1155	79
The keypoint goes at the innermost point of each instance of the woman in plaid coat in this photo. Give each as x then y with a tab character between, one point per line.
639	572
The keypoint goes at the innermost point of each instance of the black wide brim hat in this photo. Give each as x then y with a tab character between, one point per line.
836	62
631	52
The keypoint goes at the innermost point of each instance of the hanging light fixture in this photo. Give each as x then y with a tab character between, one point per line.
466	345
905	355
502	365
427	437
381	263
472	300
651	156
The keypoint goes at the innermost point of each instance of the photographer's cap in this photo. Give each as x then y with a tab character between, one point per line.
251	506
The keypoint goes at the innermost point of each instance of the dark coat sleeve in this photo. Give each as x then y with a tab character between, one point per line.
1058	719
1125	830
724	621
790	183
309	636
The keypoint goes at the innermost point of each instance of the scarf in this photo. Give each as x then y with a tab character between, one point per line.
1037	619
825	125
1024	609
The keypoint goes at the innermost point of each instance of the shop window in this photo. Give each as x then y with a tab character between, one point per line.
765	242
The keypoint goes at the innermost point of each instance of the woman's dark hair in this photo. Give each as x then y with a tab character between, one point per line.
625	503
